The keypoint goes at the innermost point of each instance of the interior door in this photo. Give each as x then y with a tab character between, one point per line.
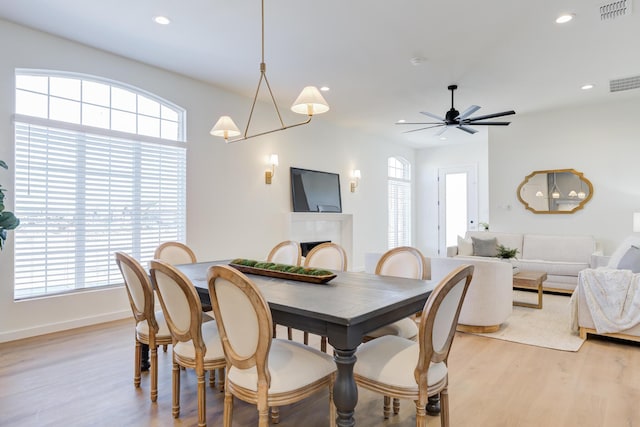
457	204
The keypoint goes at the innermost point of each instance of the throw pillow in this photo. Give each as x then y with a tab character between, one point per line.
630	260
465	246
621	250
485	247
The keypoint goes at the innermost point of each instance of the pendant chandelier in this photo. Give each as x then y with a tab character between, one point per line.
309	102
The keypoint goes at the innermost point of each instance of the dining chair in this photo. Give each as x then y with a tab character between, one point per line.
262	370
196	345
329	256
407	262
151	327
179	253
286	252
175	253
405	369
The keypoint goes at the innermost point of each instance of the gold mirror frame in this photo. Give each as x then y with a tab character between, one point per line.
535	205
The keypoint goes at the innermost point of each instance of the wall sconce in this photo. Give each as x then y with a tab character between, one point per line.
355	174
268	174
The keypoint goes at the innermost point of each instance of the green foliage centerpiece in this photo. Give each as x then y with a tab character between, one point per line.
506	253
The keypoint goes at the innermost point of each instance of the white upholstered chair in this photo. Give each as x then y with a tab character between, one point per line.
330	256
261	370
175	253
196	345
489	299
287	252
151	328
402	368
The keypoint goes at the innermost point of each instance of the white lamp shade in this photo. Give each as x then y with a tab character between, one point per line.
573	193
225	127
356	174
539	193
273	160
581	194
310	102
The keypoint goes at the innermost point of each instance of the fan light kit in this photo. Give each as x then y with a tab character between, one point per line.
454	118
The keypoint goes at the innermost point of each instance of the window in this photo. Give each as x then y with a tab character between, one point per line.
100	167
399	185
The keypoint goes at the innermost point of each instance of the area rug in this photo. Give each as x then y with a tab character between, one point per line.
549	327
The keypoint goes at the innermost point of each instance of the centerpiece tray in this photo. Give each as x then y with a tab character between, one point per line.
320	276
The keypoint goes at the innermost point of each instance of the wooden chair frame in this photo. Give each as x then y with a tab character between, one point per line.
169	245
141	314
259	358
400	249
428	353
193	333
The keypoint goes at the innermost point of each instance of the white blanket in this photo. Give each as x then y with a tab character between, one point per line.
613	298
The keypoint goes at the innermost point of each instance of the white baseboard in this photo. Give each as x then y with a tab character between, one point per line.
63	326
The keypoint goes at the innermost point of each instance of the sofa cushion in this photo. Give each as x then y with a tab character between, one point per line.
465	246
630	260
485	247
558	248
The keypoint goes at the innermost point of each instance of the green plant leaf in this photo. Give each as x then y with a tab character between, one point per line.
3	164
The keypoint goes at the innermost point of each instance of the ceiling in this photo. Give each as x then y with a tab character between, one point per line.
502	54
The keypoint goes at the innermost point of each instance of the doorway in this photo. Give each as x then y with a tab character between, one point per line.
457	204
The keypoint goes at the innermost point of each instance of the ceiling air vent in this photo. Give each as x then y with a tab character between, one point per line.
627	83
615	10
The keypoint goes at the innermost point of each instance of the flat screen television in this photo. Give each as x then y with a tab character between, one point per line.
315	191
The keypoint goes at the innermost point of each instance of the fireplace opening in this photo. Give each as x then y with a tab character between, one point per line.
307	246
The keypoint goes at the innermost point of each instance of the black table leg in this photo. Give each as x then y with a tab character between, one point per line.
345	391
144	358
433	405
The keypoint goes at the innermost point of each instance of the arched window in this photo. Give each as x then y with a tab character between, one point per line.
100	167
399	188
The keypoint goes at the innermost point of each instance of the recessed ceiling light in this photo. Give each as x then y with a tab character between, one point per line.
401	121
443	138
162	20
564	18
587	87
325	88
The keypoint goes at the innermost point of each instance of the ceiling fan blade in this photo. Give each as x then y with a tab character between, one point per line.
490	116
419	123
428	127
487	123
467	129
441	131
469	111
433	116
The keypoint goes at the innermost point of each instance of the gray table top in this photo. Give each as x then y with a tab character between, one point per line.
349	298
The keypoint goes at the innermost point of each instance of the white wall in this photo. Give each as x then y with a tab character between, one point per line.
230	211
599	140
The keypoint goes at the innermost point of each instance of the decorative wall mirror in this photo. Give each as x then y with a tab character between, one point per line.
560	191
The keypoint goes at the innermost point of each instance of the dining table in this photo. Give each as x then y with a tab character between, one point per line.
343	309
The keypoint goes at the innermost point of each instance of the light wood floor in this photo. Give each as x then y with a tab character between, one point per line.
84	377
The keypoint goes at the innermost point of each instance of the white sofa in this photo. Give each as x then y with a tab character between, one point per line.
489	299
561	257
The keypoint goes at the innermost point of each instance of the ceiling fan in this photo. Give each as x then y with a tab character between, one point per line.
454	118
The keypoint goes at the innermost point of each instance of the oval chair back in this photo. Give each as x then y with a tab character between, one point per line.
175	253
327	255
403	261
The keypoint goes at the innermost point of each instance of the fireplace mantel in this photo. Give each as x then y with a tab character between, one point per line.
315	226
